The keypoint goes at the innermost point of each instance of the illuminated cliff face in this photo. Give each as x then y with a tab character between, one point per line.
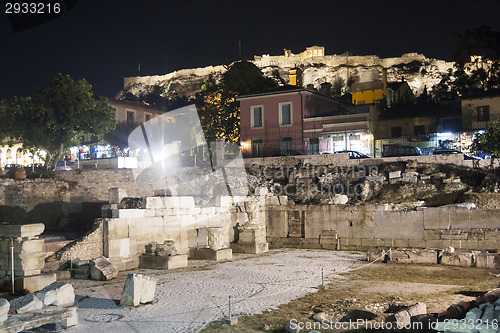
338	70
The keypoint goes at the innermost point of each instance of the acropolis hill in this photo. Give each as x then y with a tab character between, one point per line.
317	68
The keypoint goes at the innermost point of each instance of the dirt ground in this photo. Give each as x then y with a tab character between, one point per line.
381	288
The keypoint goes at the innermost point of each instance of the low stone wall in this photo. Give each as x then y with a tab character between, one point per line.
66	198
342	159
123	232
87	247
369	226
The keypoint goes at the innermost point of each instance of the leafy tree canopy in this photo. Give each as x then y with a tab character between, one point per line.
57	116
489	141
243	77
218	109
477	74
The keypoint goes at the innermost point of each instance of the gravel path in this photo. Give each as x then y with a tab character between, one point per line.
187	298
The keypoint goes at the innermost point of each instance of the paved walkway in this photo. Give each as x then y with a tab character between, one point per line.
187	299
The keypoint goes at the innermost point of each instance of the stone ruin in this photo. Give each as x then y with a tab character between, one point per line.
29	257
162	256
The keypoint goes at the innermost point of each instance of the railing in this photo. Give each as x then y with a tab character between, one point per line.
485	124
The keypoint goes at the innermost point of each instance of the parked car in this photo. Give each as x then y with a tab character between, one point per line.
400	150
36	167
353	154
64	165
11	166
452	152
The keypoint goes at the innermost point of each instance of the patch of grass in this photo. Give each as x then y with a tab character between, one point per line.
358	288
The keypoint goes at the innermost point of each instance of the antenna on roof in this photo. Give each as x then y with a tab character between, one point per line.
139	68
239	47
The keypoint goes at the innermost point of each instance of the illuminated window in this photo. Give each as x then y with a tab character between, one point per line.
285	115
256	116
483	113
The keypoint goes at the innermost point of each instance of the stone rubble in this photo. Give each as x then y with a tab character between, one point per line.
26	303
4	310
138	289
58	293
102	270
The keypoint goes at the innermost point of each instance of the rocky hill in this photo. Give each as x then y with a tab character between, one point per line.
337	70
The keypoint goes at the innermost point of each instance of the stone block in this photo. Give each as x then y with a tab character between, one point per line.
24	262
464	259
487	245
416	243
186	202
155	203
163	262
115	195
127	213
438	175
262	190
22	231
254	248
375	254
138	289
210	254
241	217
207	210
400	242
34	283
62	275
376	178
117	247
272	201
170	202
283	200
409	179
72	318
394	174
224	201
58	293
370	242
4	310
252	234
212	238
488	260
26	303
417	309
82	272
102	270
328	237
116	228
432	234
415	256
30	320
26	246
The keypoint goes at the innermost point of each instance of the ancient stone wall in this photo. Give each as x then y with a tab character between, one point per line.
368	226
68	197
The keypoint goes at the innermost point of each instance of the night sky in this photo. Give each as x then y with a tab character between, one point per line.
105	40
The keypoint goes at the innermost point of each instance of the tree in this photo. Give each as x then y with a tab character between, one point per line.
477	64
219	115
57	116
243	77
218	109
488	142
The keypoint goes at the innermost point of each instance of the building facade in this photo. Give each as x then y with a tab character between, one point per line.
300	121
